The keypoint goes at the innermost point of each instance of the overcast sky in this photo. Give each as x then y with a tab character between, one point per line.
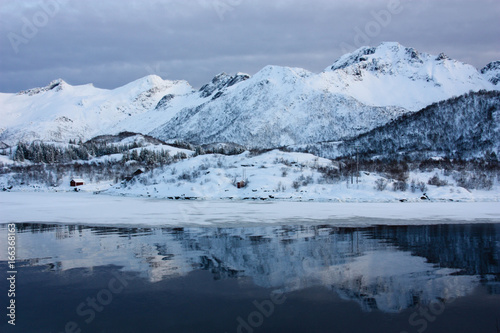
110	42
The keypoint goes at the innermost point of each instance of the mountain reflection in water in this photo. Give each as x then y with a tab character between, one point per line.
385	268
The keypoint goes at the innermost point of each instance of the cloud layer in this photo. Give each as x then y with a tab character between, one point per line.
110	43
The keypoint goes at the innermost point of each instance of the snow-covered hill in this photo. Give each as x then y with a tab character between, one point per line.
362	90
277	106
134	165
277	175
60	112
492	72
392	74
466	126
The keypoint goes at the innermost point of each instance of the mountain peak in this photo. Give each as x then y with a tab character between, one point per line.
391	58
57	82
147	82
362	90
220	82
390	45
375	75
492	72
55	85
386	53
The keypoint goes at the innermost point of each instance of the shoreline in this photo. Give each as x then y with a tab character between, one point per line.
111	210
348	196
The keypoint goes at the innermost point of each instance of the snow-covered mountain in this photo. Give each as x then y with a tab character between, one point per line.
392	74
281	106
60	111
464	126
277	106
492	72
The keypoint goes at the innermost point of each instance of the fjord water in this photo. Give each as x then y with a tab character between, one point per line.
302	278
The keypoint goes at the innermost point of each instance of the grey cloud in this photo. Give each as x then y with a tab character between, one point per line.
111	43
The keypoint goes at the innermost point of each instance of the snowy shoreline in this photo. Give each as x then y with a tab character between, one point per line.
106	210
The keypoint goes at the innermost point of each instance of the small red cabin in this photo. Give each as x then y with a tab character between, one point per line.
240	184
76	182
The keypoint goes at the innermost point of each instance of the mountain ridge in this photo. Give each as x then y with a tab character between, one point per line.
277	106
462	127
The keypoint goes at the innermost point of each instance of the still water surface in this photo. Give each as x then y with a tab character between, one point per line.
311	278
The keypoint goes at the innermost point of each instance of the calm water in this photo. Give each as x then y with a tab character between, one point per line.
443	278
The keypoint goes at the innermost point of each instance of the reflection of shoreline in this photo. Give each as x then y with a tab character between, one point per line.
372	266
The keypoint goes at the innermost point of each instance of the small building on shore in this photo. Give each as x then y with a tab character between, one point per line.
76	182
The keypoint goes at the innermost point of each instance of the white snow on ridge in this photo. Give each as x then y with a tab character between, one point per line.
68	112
282	106
492	72
277	106
376	76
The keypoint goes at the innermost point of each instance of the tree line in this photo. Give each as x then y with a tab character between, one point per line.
39	152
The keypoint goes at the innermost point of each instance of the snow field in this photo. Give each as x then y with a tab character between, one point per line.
89	209
289	176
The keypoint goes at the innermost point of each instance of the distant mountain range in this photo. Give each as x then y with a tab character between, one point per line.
388	89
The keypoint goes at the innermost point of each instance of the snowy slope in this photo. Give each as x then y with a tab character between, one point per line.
278	175
277	106
492	72
464	126
392	74
59	111
362	90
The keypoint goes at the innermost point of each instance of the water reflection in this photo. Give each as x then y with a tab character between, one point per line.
384	268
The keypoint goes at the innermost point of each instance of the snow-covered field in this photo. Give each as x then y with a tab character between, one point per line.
286	176
89	209
281	187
